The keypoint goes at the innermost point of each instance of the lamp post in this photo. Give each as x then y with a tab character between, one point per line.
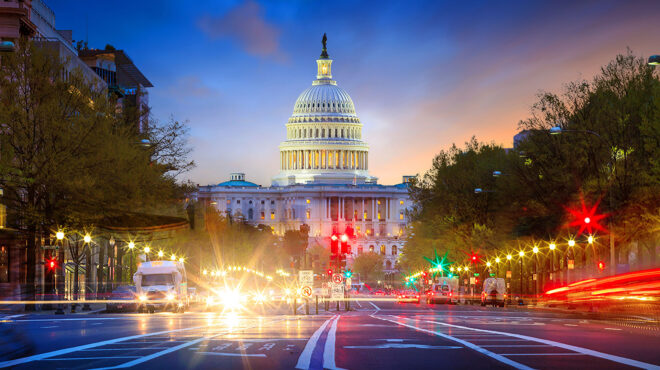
552	248
535	250
556	130
521	254
509	257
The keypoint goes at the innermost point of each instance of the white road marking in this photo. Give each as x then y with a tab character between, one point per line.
612	329
589	352
122	349
306	355
232	354
544	354
329	350
57	320
516	345
59	352
86	358
376	307
467	344
570	325
175	348
49	327
267	347
403	345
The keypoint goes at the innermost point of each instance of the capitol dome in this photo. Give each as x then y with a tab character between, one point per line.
324	136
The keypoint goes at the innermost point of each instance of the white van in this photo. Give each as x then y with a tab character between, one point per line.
494	292
445	291
161	285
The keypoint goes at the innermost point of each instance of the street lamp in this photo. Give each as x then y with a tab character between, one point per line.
173	257
87	239
590	239
160	254
147	249
497	260
571	243
59	235
521	254
535	250
131	245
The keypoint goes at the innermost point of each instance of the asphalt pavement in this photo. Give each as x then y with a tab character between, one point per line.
375	334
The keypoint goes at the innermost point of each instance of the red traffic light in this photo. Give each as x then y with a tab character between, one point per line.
329	271
601	265
51	263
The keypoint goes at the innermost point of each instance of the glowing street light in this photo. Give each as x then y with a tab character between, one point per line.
147	249
521	254
571	243
535	250
497	260
59	235
590	239
205	272
552	246
344	238
587	220
181	259
87	238
131	245
173	257
160	254
509	257
488	264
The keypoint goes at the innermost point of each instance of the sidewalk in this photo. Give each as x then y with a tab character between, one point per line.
19	309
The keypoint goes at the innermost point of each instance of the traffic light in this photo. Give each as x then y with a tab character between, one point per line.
344	244
51	263
334	245
348	274
329	272
601	265
474	258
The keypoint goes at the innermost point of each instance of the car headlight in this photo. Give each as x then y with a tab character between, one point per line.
170	297
142	297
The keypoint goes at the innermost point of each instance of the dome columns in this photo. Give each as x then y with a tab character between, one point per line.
324	159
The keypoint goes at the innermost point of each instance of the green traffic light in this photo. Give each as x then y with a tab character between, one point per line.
348	274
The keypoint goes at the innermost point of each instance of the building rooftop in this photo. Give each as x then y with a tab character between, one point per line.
123	63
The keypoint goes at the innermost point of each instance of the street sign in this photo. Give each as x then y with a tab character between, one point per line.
337	278
337	291
306	278
349	282
306	291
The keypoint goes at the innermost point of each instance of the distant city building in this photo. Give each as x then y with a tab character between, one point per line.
323	180
123	79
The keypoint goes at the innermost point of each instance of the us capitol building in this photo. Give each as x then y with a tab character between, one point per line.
324	179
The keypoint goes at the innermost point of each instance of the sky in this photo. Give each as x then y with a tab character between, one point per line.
422	75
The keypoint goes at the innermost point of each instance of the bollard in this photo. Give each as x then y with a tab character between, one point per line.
337	305
317	305
306	306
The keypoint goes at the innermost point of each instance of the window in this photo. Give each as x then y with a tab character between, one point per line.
394	250
262	202
379	215
401	202
365	215
371	249
263	215
383	250
250	202
3	216
293	213
308	201
250	214
378	202
401	215
272	202
388	265
238	201
309	214
272	215
228	201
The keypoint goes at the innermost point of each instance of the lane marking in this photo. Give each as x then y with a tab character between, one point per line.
329	350
606	356
544	354
232	354
306	355
465	343
123	349
86	358
176	348
49	327
612	329
516	345
81	319
47	355
376	307
403	345
358	303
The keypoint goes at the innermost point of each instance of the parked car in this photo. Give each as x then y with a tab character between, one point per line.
494	292
122	293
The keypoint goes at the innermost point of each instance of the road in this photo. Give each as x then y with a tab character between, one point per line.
376	334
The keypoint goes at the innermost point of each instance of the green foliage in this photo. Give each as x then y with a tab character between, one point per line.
369	266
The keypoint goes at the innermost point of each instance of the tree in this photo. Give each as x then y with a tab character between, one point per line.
67	158
369	266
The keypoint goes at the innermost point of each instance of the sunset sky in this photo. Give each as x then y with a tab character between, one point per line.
423	75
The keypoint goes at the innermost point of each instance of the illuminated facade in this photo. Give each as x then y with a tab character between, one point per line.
323	180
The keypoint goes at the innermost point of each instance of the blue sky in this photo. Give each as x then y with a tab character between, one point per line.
423	75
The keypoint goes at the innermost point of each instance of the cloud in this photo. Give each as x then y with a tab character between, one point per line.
246	25
191	86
